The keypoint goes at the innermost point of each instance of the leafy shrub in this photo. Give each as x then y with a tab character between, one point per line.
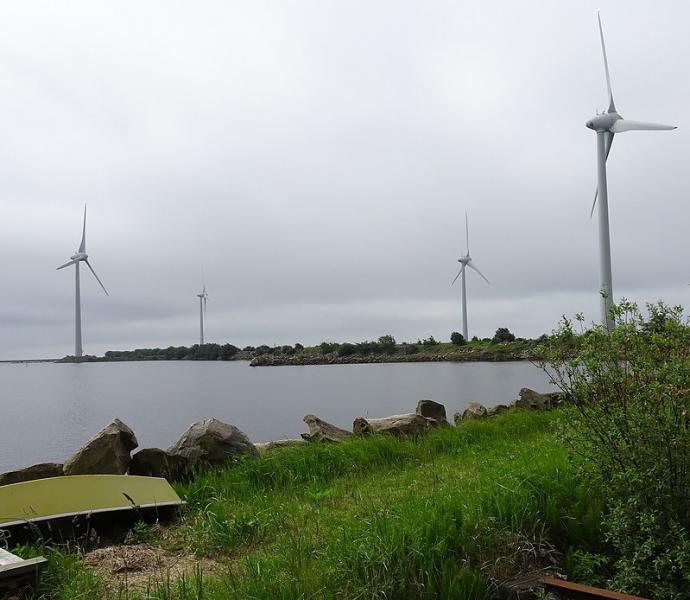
430	341
503	335
629	424
328	347
387	344
457	339
409	348
346	349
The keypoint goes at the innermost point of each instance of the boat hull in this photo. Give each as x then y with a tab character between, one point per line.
58	498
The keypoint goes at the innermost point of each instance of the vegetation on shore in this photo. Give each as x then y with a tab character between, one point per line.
503	346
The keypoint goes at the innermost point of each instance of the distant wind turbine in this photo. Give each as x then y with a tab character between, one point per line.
80	256
203	297
466	261
606	125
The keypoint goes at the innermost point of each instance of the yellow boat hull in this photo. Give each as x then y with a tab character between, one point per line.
60	497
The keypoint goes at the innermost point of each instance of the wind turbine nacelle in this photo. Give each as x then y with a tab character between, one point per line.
79	256
603	122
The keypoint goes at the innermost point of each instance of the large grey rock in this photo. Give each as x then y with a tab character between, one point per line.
473	410
433	410
264	447
534	400
399	425
41	471
496	410
154	462
210	442
321	431
105	453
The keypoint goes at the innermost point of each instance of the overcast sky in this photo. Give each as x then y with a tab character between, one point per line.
317	157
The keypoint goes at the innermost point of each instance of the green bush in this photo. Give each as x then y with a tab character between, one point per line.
629	424
328	347
457	339
346	349
387	344
503	334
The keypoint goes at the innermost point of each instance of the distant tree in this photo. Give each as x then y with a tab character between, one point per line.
475	338
287	350
299	347
227	351
409	348
387	344
328	347
248	349
364	348
430	341
263	349
346	349
457	339
503	335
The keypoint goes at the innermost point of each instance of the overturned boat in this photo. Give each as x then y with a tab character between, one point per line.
39	506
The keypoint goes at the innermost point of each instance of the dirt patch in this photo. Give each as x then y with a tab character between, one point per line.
143	566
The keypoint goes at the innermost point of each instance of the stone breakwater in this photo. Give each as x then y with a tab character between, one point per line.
277	360
213	443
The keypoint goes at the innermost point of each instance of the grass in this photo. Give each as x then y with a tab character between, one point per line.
437	517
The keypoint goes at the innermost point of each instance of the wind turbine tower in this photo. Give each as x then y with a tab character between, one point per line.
80	256
203	297
606	125
466	261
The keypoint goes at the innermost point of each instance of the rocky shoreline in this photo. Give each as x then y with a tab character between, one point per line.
498	355
213	443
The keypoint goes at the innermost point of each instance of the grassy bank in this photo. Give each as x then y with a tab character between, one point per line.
438	517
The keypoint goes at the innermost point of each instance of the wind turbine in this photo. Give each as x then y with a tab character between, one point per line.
203	297
606	125
466	261
80	256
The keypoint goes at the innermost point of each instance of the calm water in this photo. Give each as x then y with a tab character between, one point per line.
48	410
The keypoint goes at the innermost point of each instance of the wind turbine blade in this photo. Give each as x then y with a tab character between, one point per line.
458	275
82	246
609	142
471	266
627	125
467	234
88	264
67	264
612	106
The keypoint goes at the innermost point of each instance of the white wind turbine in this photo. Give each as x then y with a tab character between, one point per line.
466	261
80	256
203	297
606	125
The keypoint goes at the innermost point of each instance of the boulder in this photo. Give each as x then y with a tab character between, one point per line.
210	443
321	431
154	462
106	453
400	425
473	410
433	410
41	471
534	400
496	410
264	447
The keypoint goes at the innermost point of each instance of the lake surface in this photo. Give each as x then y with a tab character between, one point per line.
47	411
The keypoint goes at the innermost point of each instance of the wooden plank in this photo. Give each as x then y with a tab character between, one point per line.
576	591
7	558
